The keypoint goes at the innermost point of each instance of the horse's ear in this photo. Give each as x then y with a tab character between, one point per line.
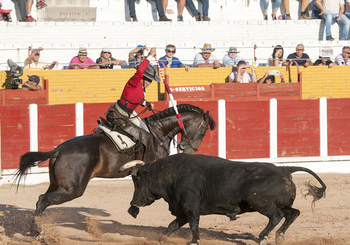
206	116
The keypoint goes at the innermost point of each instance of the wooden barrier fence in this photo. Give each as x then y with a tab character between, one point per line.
238	92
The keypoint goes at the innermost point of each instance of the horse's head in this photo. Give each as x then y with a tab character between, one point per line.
195	132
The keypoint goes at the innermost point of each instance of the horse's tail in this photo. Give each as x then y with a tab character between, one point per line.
28	160
312	190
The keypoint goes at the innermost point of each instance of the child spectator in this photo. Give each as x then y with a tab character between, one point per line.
268	79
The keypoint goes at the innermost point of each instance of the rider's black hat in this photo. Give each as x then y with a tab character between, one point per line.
150	73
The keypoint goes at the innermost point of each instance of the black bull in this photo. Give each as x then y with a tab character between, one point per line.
75	162
195	185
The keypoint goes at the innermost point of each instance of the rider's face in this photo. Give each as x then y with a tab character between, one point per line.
147	82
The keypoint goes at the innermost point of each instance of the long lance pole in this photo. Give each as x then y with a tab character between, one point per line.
167	88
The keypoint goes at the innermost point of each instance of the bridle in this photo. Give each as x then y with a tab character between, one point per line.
183	144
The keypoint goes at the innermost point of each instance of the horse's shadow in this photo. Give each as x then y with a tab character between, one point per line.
17	220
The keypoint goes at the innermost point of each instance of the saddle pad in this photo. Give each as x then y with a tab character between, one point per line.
121	141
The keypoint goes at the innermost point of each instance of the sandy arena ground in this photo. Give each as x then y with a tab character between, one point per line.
100	217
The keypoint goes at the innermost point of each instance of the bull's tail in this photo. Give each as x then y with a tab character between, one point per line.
312	190
28	160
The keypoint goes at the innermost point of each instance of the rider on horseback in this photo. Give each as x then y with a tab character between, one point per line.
122	115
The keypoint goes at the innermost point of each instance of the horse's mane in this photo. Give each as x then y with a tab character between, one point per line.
183	108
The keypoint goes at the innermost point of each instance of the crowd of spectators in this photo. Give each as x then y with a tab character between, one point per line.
205	58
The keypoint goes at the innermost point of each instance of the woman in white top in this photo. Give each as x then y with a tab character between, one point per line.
276	59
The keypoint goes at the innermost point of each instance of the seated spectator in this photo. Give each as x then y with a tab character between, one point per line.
28	18
333	10
231	58
169	60
268	79
33	62
286	9
81	61
324	61
276	59
182	4
304	11
136	56
32	83
5	10
196	13
159	6
206	58
241	76
343	58
299	56
22	6
40	4
106	61
274	11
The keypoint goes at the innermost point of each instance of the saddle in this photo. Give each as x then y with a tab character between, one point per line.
121	139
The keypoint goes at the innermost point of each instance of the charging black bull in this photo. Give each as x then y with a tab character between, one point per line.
195	185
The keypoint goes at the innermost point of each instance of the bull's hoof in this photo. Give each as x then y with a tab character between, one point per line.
35	230
279	238
263	241
163	239
195	243
133	211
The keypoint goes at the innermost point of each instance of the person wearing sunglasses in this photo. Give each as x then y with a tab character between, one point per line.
206	58
33	62
169	60
106	61
32	83
299	56
343	58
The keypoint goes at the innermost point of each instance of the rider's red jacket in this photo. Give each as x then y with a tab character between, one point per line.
133	94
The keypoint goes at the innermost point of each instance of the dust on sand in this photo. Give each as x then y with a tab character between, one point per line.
100	217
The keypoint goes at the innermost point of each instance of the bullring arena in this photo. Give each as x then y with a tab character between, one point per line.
304	122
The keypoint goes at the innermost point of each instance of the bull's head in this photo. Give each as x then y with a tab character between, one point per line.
142	183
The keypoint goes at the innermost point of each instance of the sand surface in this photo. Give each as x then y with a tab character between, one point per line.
100	217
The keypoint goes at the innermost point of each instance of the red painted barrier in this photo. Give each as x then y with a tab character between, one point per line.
247	128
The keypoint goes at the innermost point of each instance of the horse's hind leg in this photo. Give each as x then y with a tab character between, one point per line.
53	196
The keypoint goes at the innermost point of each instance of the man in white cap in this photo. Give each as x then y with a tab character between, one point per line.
231	58
81	61
206	58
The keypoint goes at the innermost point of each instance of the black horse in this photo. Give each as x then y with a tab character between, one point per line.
75	162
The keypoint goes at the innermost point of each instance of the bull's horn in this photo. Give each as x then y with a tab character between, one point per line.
131	164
